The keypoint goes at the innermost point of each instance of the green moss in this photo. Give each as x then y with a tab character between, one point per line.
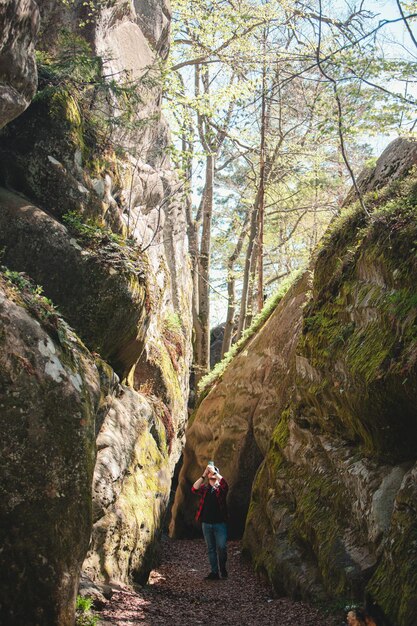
368	349
393	585
170	376
281	433
173	338
278	441
320	518
64	106
403	302
141	505
26	293
167	375
172	322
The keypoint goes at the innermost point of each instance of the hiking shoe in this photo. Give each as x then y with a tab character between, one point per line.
212	576
224	573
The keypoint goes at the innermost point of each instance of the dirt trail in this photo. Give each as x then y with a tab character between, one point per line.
177	595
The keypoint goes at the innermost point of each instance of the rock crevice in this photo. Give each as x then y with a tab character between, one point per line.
332	507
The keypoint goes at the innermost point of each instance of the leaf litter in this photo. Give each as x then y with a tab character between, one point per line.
177	594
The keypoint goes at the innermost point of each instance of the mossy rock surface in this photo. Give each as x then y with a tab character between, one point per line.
49	392
394	582
100	293
331	512
360	330
131	489
42	155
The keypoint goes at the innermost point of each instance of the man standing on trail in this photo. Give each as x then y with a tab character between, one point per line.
212	512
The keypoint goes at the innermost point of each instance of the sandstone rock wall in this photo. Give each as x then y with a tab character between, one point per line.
131	487
19	23
332	508
100	289
234	422
100	226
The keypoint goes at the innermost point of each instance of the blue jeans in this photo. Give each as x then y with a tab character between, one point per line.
216	537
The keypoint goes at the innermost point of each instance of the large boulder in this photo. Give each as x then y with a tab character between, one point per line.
331	506
95	215
49	392
99	290
43	154
19	23
131	488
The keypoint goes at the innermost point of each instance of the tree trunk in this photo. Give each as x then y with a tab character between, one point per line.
261	205
250	312
211	146
247	270
192	232
202	365
231	291
231	309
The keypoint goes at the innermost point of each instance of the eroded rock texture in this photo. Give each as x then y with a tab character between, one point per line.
131	487
49	392
332	509
101	291
94	215
19	23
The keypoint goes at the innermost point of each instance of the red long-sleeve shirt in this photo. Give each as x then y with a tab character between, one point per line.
221	493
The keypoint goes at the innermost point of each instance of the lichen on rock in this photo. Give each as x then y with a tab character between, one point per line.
49	390
131	488
93	214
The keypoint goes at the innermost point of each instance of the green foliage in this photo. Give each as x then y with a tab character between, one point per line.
122	254
21	281
75	79
73	65
22	290
84	615
308	178
258	321
83	603
92	9
31	293
90	230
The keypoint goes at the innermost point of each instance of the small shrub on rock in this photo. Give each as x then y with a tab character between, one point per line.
83	613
